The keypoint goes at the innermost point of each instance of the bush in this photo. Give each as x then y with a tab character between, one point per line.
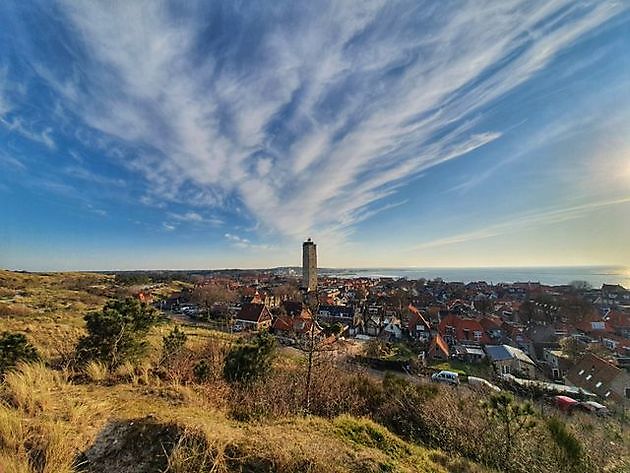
117	333
14	347
201	371
249	361
173	343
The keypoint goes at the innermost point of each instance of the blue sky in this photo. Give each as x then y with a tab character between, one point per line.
221	134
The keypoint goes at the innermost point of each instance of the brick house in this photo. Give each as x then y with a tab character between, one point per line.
254	317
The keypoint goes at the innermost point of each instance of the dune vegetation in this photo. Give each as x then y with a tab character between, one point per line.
189	399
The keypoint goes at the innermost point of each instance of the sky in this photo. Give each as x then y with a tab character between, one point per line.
189	135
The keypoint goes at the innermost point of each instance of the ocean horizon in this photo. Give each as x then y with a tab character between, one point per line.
549	275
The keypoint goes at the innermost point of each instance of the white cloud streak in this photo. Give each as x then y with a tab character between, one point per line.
525	221
241	242
331	113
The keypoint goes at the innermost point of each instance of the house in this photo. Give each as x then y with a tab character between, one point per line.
510	360
373	325
418	326
618	345
455	330
254	317
614	295
558	363
469	354
438	348
336	313
492	326
601	377
295	309
594	328
391	328
295	327
619	322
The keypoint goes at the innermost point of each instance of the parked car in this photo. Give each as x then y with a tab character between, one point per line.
592	407
565	403
483	383
448	377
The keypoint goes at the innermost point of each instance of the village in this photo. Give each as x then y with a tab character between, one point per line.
569	344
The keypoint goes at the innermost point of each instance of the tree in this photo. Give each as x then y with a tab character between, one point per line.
581	285
484	305
571	347
173	343
574	308
513	418
287	291
333	329
251	360
209	295
14	347
202	371
117	333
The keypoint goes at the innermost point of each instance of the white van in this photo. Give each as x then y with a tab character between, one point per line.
448	377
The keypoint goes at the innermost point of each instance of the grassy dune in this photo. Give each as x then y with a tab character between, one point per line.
54	419
49	424
57	416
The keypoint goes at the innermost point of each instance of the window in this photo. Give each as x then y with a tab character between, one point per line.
589	377
599	383
581	373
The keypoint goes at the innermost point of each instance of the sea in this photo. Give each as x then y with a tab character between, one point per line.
552	276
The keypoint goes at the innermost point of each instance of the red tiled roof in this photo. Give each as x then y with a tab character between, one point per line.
490	323
461	326
438	343
619	319
588	327
254	313
597	375
293	308
294	324
416	318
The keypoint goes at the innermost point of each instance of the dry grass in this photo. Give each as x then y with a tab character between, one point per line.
96	371
155	417
48	422
32	387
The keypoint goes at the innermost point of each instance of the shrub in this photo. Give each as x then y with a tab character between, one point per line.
201	371
117	333
251	360
173	343
14	347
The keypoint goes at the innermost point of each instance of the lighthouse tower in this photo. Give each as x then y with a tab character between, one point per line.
309	265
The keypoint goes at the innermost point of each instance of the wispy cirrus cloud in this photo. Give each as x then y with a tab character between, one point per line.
241	242
308	115
524	221
195	218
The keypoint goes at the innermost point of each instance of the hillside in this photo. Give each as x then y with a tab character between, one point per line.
57	426
57	415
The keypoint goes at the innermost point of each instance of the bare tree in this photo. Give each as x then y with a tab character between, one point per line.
314	344
212	294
